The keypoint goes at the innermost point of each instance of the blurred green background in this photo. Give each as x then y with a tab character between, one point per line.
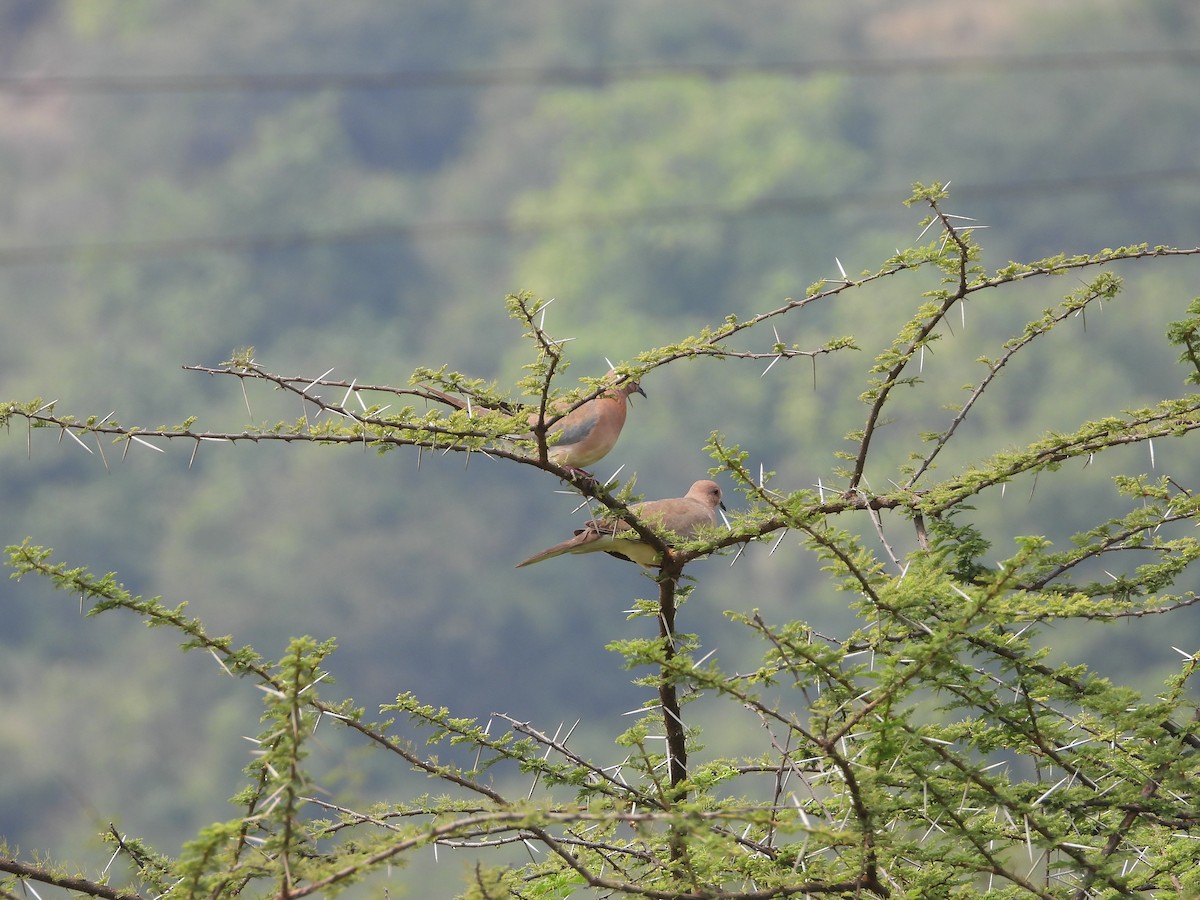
358	185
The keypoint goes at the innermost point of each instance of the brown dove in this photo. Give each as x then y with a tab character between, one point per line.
585	434
682	515
588	432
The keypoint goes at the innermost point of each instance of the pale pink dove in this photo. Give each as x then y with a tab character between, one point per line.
587	433
684	516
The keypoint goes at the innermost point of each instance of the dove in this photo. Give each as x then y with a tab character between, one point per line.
682	515
586	434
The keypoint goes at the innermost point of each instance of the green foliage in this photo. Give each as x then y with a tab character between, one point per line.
1186	334
936	748
715	162
730	133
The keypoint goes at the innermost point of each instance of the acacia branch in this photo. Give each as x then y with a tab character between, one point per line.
605	783
110	595
1169	418
1150	787
1035	330
676	738
891	375
41	875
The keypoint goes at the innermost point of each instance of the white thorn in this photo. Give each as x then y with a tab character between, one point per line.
78	441
1052	789
641	709
312	383
220	662
100	447
777	543
704	658
147	443
315	681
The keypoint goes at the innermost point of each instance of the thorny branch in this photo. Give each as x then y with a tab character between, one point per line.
890	377
822	744
994	368
27	872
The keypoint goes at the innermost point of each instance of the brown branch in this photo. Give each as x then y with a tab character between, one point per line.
82	584
291	382
667	694
947	807
1101	616
606	783
28	872
869	880
518	819
994	368
1149	789
1163	421
891	376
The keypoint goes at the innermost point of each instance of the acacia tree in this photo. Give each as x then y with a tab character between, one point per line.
932	751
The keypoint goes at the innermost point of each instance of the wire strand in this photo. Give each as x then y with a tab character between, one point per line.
583	75
72	252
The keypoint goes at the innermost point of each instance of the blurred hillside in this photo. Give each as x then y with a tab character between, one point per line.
358	186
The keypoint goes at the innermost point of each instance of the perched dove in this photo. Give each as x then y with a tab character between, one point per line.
682	515
585	434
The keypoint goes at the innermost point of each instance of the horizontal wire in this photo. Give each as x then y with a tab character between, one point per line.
582	75
151	248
